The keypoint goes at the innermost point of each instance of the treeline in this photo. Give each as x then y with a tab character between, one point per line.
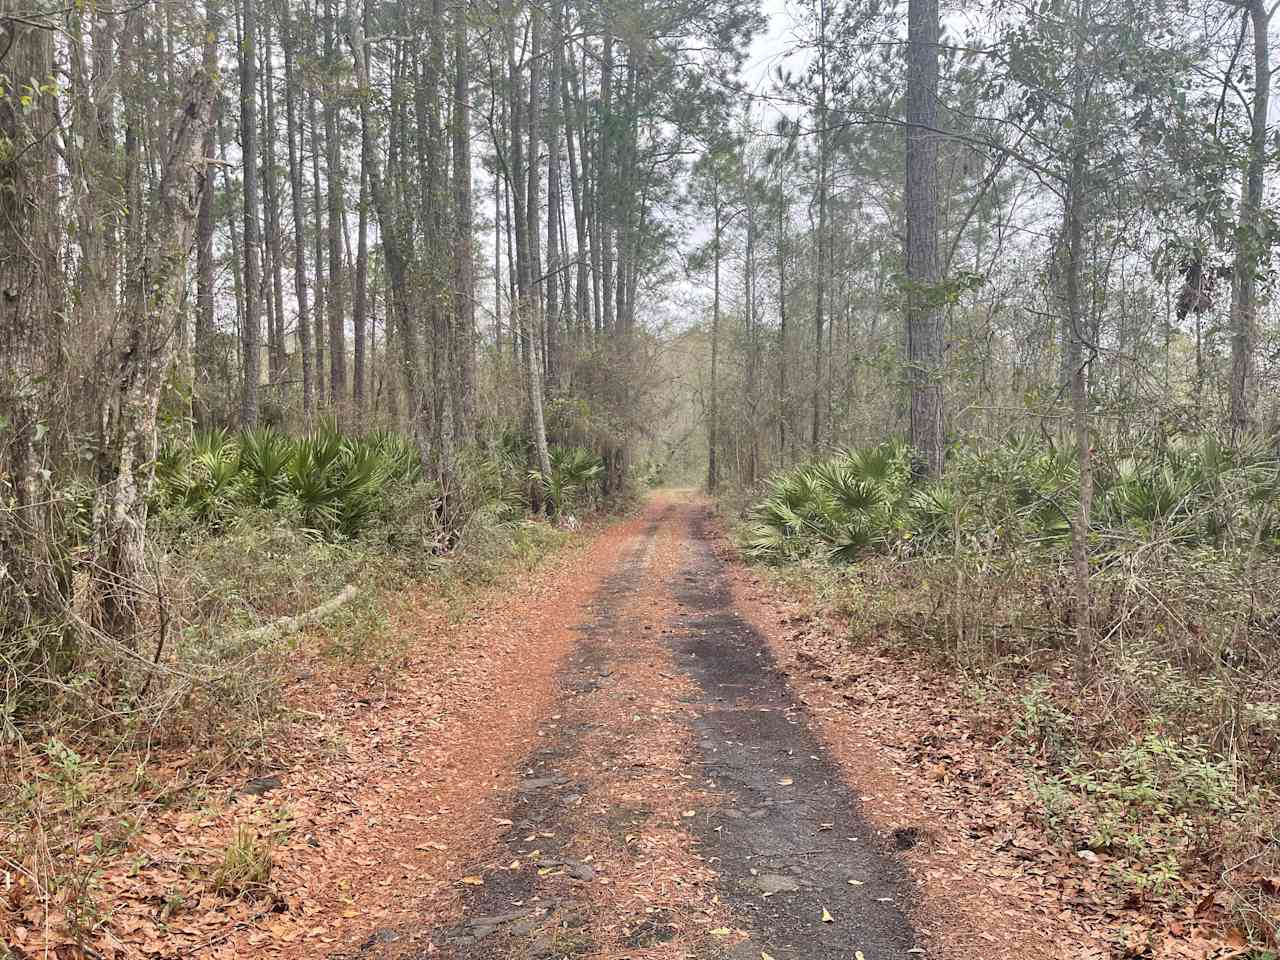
992	310
1052	218
434	217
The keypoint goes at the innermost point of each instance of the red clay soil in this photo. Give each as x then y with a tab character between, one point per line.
427	767
620	756
972	904
991	883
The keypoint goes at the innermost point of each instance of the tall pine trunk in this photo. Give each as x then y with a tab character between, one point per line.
923	298
337	205
1078	340
319	242
292	95
251	334
464	271
271	207
554	200
202	381
713	403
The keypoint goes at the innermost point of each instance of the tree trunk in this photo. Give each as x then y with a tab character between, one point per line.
1251	243
533	183
319	241
205	330
923	299
749	293
271	205
464	275
233	230
142	363
337	205
360	300
713	411
784	404
520	179
32	590
293	93
251	334
581	287
820	294
554	200
1074	217
604	182
435	249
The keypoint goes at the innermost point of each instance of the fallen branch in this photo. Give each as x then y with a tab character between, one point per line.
289	625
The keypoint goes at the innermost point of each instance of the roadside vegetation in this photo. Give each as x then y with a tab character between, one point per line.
266	552
1151	754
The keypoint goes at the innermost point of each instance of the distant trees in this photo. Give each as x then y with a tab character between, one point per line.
1081	183
318	166
717	181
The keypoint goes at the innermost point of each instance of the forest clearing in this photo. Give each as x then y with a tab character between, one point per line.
639	480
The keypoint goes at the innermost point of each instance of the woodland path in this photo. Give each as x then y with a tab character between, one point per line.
604	759
677	803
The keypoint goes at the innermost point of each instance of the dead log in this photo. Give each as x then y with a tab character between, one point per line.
286	626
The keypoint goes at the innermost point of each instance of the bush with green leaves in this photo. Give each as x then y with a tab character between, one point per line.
1162	763
838	508
331	483
1190	491
574	481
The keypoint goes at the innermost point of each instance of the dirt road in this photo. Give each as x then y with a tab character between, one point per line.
676	802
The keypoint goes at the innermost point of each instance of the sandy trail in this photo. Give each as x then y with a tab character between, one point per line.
607	761
675	802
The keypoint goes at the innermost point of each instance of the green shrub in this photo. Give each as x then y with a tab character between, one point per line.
1162	762
331	483
1021	492
574	480
839	508
265	457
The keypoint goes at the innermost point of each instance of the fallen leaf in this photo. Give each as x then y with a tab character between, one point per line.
785	782
473	881
827	917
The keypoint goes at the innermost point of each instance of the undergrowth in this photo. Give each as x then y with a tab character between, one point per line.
245	529
1163	765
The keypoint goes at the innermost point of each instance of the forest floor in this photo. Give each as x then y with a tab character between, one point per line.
623	755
